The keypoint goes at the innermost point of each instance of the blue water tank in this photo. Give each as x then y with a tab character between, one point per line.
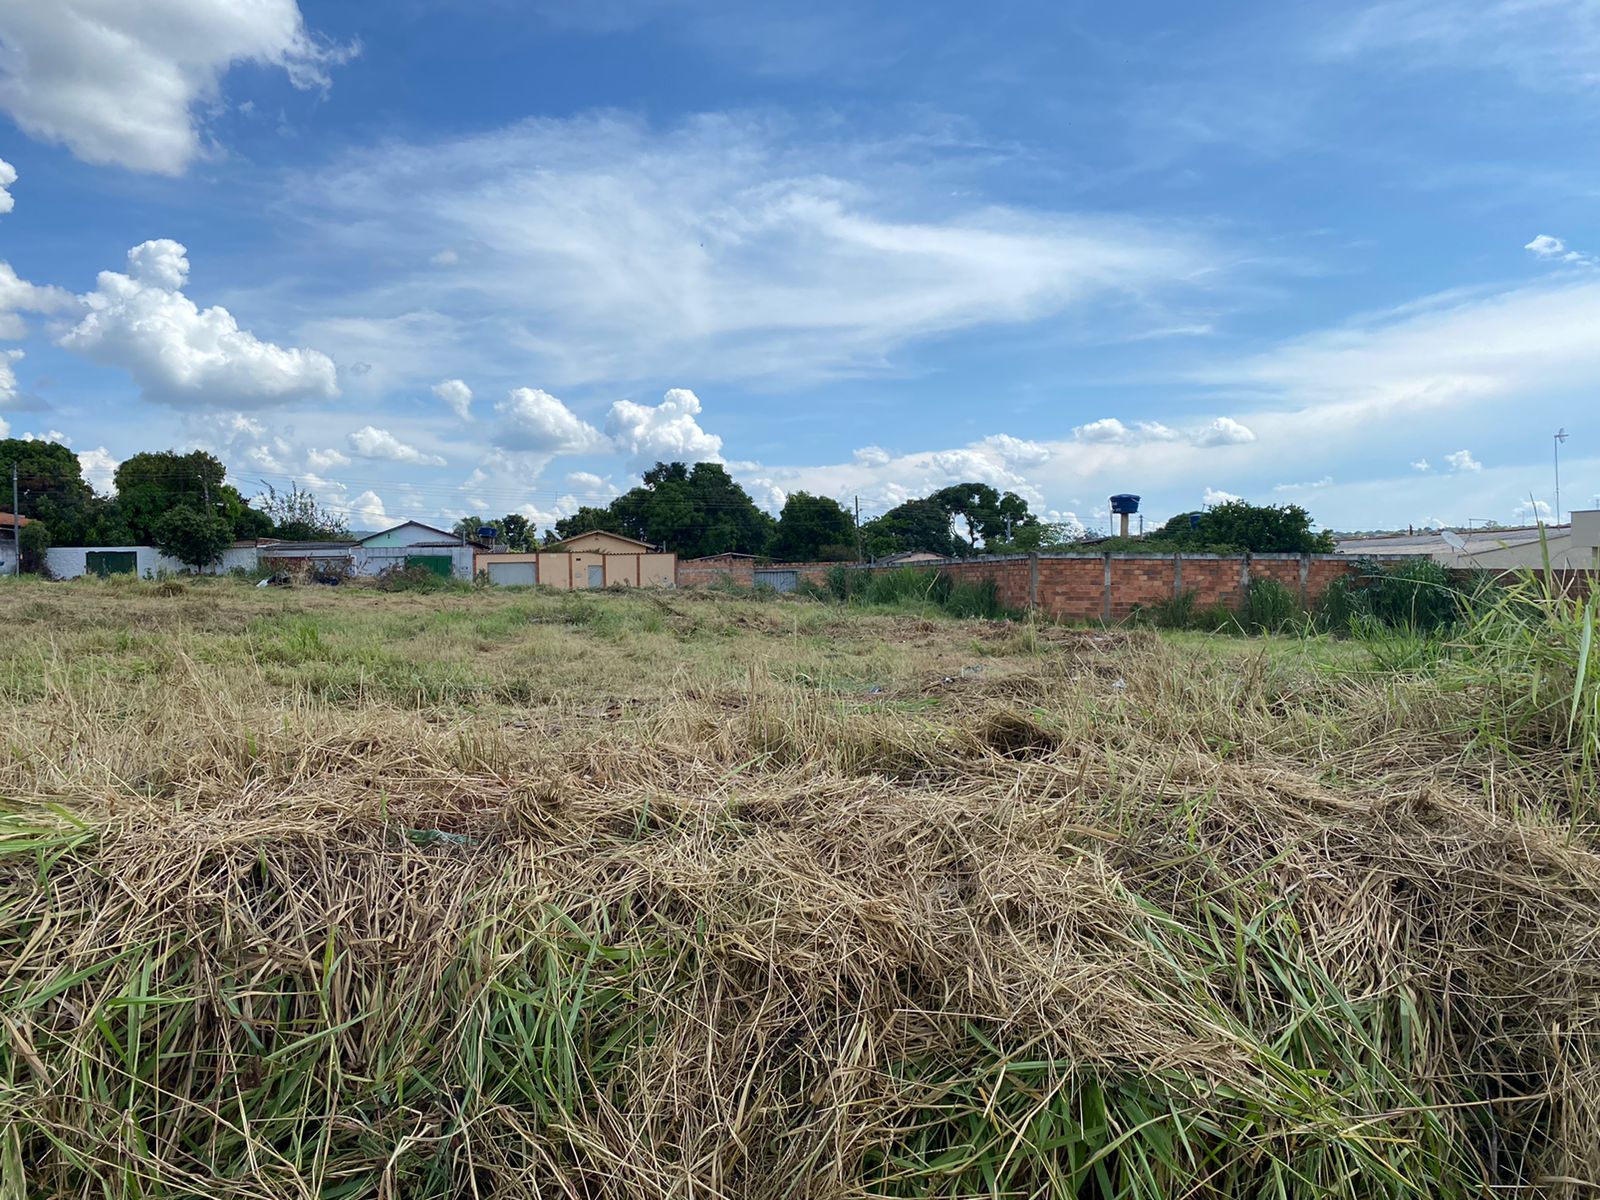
1124	503
487	533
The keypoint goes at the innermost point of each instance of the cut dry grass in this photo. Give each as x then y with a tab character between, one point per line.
347	895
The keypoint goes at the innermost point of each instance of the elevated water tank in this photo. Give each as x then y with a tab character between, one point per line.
1124	503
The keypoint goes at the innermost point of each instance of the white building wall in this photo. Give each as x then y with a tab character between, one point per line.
8	558
71	562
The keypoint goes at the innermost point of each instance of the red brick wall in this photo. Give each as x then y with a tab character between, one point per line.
742	572
1073	587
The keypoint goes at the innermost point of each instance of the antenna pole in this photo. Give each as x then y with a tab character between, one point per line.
1561	436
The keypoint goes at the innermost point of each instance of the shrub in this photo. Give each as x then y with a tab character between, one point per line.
418	579
1268	607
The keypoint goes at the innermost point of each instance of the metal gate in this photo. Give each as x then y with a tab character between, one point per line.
111	562
597	575
514	574
439	564
778	581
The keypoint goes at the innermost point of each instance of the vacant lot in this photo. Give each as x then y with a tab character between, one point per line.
339	893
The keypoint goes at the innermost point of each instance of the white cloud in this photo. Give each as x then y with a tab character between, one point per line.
1111	431
366	511
1543	44
50	435
445	258
536	422
1215	496
666	432
1462	460
1421	464
1224	431
1309	486
182	355
372	442
99	468
1531	510
457	395
8	377
120	81
872	456
1553	248
8	176
729	248
590	484
20	296
323	460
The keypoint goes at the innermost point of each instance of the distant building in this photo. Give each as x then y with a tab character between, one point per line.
1571	546
589	560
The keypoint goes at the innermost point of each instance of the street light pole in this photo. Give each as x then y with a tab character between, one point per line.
1561	436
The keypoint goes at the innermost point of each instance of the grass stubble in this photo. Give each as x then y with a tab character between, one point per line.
351	895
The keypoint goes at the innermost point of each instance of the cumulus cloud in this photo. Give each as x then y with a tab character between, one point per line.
872	456
1111	431
590	484
8	176
1553	248
121	83
664	432
99	468
182	355
457	395
8	377
1224	431
1421	464
1215	496
324	460
1462	461
1531	510
19	296
372	442
534	421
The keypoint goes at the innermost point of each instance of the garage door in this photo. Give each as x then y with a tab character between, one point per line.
439	564
514	574
111	562
778	581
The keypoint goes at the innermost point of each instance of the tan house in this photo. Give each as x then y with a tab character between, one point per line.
589	560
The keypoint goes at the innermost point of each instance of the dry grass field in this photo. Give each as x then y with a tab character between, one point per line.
341	893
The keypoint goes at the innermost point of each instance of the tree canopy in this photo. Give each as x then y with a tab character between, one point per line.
696	511
915	525
1237	525
814	529
297	516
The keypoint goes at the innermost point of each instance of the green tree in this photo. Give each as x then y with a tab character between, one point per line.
990	516
587	519
296	516
694	511
516	533
33	539
915	525
1238	525
1039	537
153	483
52	489
194	538
814	529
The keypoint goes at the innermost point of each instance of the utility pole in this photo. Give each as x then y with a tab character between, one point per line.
860	556
1561	436
16	522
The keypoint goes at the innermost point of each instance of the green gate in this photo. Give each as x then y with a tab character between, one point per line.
439	564
111	562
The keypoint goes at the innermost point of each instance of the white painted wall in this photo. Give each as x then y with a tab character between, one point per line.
71	562
8	558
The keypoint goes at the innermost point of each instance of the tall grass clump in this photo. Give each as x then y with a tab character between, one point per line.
1268	607
1530	653
919	590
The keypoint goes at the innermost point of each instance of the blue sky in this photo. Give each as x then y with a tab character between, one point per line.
484	256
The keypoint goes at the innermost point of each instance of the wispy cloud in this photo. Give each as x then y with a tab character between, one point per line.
722	248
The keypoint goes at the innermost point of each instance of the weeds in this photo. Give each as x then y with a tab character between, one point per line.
621	904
